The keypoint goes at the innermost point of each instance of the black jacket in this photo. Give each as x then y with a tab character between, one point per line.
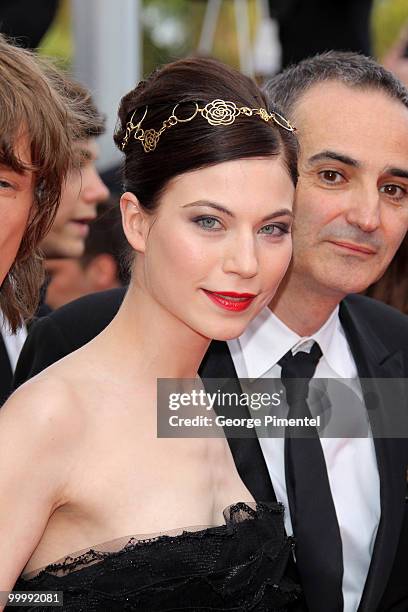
307	27
378	338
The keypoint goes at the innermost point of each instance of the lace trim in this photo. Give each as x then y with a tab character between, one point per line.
234	515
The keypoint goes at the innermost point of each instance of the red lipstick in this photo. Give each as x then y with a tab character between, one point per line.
230	300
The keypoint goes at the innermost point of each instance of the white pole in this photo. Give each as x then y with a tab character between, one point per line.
107	58
207	36
244	42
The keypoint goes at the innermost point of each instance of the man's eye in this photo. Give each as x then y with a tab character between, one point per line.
394	191
208	223
331	176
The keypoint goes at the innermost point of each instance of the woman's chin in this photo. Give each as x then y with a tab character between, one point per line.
226	332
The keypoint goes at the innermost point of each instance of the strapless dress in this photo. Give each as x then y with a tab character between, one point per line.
240	565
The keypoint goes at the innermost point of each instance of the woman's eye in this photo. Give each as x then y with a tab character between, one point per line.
394	191
208	223
331	177
5	184
274	230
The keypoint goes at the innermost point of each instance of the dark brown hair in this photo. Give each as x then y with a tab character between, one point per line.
392	288
196	144
106	237
39	104
91	121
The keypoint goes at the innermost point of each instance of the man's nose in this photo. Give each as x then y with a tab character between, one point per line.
240	256
95	191
365	210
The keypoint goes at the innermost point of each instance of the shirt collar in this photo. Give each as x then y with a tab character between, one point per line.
267	339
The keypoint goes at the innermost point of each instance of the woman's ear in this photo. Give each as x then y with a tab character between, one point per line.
134	221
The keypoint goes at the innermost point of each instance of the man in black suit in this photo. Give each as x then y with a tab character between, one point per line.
351	215
307	27
19	21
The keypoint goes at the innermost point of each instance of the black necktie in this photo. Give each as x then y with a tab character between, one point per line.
318	543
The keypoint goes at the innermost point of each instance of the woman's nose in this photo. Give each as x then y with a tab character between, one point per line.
241	257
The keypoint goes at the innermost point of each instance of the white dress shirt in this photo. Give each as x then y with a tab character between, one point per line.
351	462
13	342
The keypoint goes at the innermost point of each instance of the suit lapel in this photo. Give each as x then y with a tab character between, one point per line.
374	361
247	453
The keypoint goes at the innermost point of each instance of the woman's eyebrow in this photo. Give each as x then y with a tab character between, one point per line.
278	213
210	205
272	215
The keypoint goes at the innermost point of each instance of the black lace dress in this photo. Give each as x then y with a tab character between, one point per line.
237	566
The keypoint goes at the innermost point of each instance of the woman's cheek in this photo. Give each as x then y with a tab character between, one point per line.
186	251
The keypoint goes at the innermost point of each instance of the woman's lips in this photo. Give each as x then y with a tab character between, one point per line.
230	300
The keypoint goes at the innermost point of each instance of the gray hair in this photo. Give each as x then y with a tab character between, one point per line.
351	69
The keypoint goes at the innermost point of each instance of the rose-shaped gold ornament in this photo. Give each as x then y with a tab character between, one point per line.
220	112
150	140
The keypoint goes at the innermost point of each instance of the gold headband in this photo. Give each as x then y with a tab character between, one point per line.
217	112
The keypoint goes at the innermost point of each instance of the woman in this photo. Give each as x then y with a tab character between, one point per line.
209	177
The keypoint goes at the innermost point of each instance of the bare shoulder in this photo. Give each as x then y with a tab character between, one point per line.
41	425
38	447
45	405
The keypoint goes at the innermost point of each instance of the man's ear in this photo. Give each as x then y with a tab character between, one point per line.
135	221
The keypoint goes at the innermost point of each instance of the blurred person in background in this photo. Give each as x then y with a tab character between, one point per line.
392	288
84	188
19	21
396	58
307	27
100	267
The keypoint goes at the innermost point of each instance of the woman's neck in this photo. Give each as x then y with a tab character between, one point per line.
151	341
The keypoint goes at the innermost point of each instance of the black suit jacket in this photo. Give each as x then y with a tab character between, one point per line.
307	27
18	20
6	372
378	337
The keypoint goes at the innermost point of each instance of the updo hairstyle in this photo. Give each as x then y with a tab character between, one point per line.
195	144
